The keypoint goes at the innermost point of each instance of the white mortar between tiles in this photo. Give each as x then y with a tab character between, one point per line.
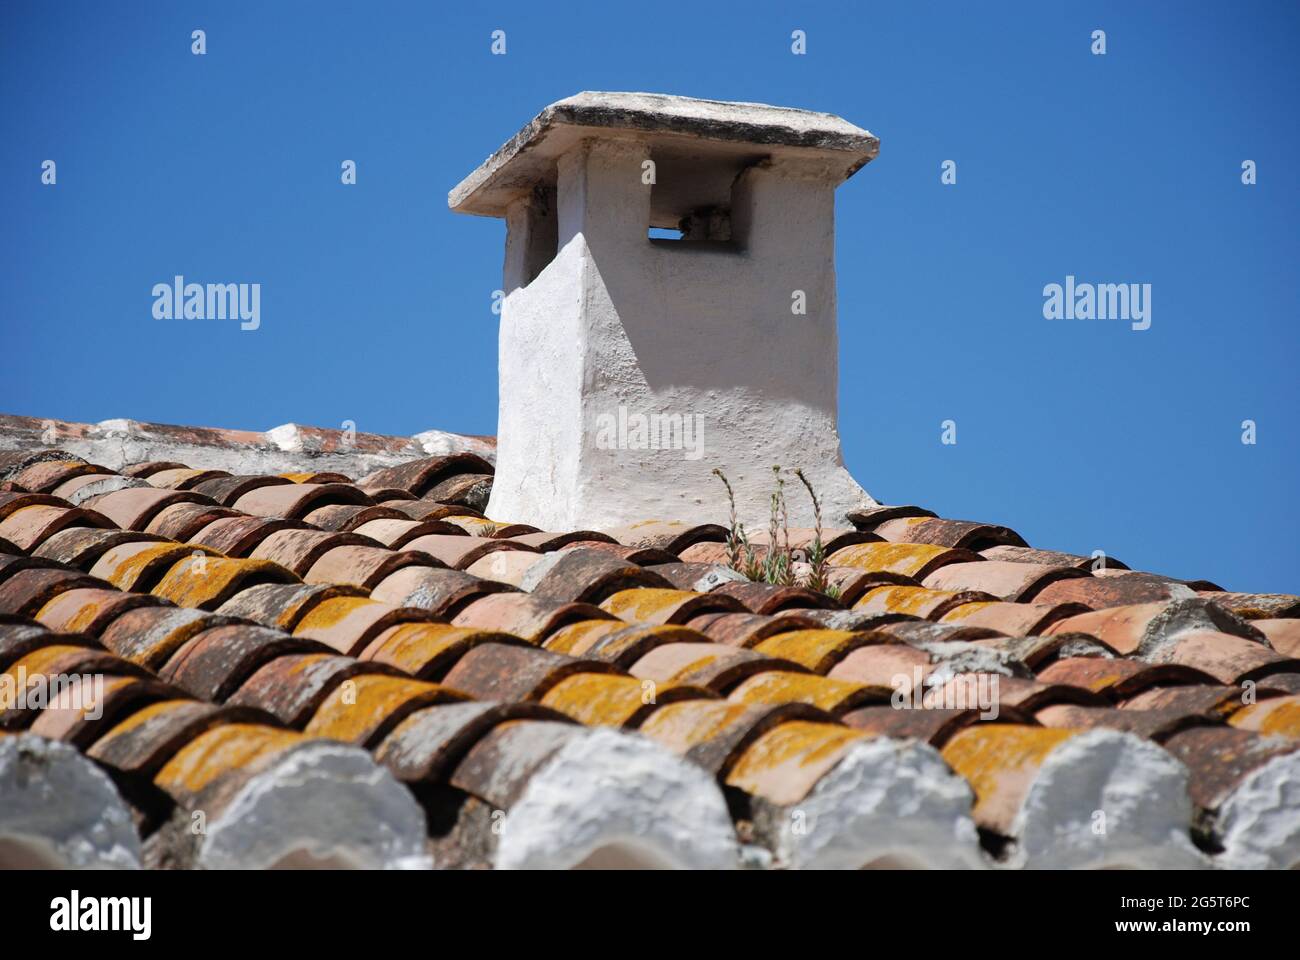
59	809
1259	824
1141	788
323	802
614	798
888	802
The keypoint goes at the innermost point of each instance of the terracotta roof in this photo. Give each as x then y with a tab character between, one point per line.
406	682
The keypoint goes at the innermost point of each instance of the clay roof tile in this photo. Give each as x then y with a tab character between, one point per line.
459	552
208	582
716	733
291	687
428	651
240	535
282	605
349	624
298	550
365	708
507	672
525	616
1001	578
362	566
649	605
212	664
442	592
29	590
430	743
670	536
133	508
145	740
150	635
713	665
747	629
226	489
592	576
965	534
295	500
182	521
81	546
28	527
418	476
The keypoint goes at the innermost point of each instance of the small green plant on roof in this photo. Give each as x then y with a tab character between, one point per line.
817	579
776	562
740	552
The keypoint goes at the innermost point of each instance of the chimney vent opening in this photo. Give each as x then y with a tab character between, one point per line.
710	225
665	233
691	200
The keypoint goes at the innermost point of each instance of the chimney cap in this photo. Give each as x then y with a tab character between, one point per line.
701	127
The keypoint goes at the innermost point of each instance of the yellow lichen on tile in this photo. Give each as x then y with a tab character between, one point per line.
781	686
685	674
633	638
125	573
330	613
957	614
219	751
144	715
412	646
576	639
883	557
680	726
79	620
599	699
1270	718
196	581
355	707
1104	680
786	761
987	754
644	604
900	599
474	526
808	648
38	662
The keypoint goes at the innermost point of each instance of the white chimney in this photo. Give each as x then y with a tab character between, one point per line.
631	366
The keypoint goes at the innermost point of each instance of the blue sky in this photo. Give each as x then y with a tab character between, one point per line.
1081	435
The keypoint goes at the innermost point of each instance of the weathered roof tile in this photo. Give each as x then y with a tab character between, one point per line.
947	533
363	566
364	709
212	664
349	624
523	615
208	582
507	672
442	592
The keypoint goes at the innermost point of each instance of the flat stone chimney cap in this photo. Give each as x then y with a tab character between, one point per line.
681	125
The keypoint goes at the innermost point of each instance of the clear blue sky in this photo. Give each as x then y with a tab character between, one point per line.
376	299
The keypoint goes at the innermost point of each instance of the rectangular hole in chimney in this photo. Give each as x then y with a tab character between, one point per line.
541	233
710	226
690	201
